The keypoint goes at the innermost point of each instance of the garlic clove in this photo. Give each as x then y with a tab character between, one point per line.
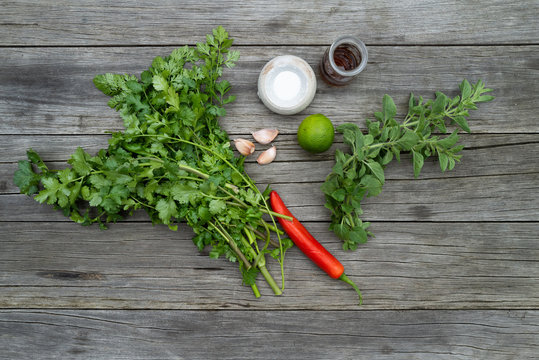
267	156
265	136
245	147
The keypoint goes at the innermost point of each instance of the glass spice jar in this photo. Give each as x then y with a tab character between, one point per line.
343	61
287	84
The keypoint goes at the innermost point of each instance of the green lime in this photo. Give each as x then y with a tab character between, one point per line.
315	133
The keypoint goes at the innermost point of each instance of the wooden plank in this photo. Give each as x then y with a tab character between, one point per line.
134	266
494	182
485	154
269	335
58	148
259	22
50	90
462	199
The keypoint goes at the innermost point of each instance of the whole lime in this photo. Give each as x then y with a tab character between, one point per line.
315	133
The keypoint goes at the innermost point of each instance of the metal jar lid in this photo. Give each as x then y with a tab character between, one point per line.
287	84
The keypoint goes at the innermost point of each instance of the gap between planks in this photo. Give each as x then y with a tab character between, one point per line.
266	45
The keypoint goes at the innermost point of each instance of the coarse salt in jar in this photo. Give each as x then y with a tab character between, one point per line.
287	84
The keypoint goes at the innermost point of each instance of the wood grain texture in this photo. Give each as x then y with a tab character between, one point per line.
137	266
50	90
130	22
452	273
422	335
480	198
478	151
484	155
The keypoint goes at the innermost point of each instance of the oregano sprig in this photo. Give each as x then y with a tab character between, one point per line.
360	172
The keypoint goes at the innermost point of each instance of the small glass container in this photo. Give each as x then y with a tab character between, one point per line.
343	61
287	84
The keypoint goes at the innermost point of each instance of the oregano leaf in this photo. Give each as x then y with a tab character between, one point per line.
385	139
418	161
389	110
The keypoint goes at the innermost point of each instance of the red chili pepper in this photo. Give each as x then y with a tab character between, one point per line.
309	245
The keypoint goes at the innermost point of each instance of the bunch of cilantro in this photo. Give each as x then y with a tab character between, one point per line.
173	160
360	172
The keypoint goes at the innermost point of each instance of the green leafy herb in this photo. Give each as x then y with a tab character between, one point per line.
360	172
173	160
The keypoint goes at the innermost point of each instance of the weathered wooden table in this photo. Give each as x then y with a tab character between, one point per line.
452	273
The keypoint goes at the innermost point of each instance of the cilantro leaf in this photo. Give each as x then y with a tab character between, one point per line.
217	206
249	276
173	160
25	178
112	84
79	162
50	192
160	83
167	209
220	34
184	193
36	159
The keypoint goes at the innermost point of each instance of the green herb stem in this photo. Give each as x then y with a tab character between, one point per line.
273	228
265	211
273	213
261	263
141	203
262	237
276	289
245	179
232	244
255	290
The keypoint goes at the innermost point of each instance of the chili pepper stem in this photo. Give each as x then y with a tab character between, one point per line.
345	278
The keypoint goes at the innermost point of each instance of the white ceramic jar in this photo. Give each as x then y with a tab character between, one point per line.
287	84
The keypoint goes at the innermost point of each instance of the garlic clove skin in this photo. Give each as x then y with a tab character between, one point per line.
265	136
245	147
267	156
